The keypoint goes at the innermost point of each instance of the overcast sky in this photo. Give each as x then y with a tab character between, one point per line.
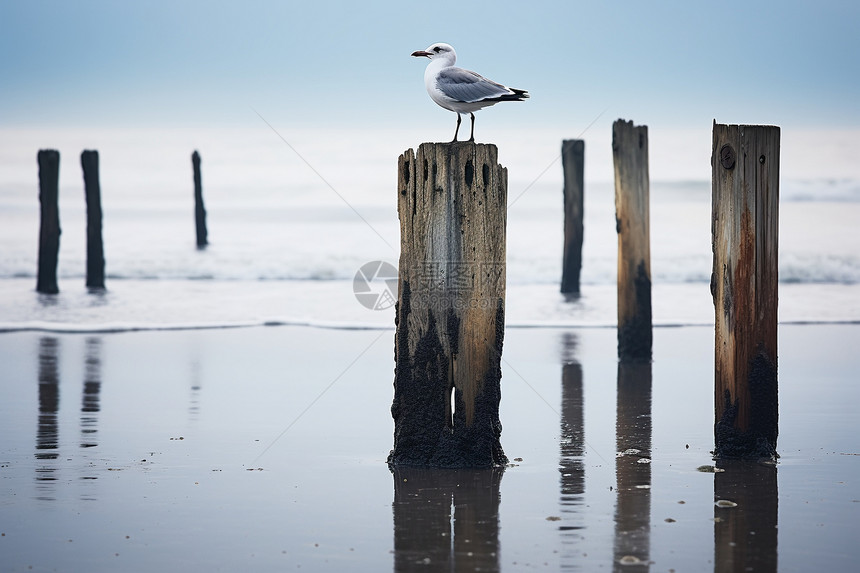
678	63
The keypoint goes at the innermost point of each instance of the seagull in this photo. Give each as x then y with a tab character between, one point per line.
459	90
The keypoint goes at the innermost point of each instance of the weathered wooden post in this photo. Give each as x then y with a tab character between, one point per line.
745	228
49	230
199	210
95	246
452	201
573	163
630	154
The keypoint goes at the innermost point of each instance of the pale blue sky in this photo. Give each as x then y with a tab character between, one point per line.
102	62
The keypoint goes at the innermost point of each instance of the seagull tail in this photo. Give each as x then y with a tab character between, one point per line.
515	95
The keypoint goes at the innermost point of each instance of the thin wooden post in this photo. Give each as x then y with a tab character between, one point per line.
630	154
450	319
745	230
573	163
49	230
199	210
95	245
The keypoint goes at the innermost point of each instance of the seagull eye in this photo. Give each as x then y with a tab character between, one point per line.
437	49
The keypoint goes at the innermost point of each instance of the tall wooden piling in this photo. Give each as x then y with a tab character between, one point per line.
573	163
95	245
745	227
452	201
49	230
199	210
632	213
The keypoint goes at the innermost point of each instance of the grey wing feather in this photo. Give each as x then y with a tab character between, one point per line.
464	85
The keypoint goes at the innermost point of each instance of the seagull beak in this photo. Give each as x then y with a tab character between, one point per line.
420	53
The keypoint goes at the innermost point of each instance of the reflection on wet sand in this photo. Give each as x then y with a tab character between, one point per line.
92	387
446	520
196	384
47	432
90	407
571	462
633	468
745	535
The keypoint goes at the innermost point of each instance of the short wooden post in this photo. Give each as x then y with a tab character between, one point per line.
199	210
95	245
745	230
49	230
573	163
630	154
450	319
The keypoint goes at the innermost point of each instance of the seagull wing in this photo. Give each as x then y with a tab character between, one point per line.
467	86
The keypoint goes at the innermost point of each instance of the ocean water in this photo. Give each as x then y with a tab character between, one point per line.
293	215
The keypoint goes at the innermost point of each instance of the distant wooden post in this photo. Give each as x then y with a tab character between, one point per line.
49	230
573	163
199	210
452	205
745	230
630	154
95	246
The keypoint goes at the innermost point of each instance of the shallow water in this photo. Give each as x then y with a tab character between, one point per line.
265	448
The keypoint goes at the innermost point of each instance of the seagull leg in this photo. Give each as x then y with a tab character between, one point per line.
456	131
472	136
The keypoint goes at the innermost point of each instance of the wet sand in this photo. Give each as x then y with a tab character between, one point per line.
264	448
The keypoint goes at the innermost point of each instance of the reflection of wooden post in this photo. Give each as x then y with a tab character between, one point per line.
630	153
451	309
49	231
745	535
745	195
571	464
95	246
199	210
573	162
632	467
447	519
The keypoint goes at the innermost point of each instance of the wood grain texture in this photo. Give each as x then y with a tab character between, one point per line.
452	205
744	285
632	222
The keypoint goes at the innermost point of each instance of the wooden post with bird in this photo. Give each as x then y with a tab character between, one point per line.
452	200
95	244
199	209
573	164
744	285
632	189
49	230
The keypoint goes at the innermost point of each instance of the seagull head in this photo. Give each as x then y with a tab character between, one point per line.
438	52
